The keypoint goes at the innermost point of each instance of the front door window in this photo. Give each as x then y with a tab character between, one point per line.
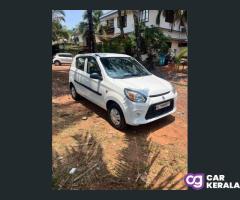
92	66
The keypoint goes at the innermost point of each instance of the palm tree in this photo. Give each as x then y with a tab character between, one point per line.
83	27
57	29
181	16
137	33
96	20
158	18
58	15
91	38
178	58
96	14
121	25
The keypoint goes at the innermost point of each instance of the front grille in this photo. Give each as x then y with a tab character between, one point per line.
152	112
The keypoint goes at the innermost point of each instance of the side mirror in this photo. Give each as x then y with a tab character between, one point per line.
96	76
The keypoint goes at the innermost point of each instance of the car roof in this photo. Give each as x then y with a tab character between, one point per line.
103	55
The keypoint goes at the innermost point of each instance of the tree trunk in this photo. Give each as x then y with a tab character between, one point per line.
150	59
121	23
137	33
185	26
92	39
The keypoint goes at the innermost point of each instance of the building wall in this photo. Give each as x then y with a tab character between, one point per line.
174	46
130	24
165	26
175	34
82	41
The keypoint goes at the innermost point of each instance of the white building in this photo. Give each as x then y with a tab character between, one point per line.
177	34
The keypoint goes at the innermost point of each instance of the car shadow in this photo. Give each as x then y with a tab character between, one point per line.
133	167
142	129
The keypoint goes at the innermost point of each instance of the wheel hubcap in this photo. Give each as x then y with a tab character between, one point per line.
115	116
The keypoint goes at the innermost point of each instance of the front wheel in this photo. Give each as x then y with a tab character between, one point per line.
116	117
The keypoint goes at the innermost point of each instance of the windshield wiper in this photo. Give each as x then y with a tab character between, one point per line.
130	75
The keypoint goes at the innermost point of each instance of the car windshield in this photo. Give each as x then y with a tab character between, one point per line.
123	67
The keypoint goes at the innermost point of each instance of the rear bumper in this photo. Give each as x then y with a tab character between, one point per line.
140	113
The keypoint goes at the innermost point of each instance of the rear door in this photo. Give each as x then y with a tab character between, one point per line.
62	58
79	75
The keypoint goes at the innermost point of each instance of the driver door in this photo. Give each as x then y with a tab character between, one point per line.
95	87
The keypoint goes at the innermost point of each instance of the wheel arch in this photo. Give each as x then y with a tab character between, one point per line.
70	85
116	101
57	60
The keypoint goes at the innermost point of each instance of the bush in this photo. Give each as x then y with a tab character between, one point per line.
118	45
155	40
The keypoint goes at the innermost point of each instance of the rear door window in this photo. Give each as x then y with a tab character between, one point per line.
65	55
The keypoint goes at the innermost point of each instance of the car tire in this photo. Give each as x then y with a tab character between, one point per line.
74	93
116	117
57	63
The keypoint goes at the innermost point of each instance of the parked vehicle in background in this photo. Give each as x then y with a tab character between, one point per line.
121	85
62	58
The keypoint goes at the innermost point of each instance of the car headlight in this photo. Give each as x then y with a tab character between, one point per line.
135	96
173	89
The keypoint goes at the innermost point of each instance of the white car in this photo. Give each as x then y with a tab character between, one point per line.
62	58
121	85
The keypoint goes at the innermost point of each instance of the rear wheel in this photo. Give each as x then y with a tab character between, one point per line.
116	117
74	93
57	63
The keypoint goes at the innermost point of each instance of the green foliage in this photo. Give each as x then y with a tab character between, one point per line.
58	31
58	15
155	40
183	53
130	44
74	49
119	45
83	26
115	45
152	41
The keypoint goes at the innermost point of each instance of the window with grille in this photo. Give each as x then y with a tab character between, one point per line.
169	16
144	16
124	20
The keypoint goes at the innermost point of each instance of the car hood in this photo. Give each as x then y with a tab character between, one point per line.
147	85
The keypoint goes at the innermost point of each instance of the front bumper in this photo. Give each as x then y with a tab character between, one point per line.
141	113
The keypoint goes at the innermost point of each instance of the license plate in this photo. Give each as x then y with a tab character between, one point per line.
162	105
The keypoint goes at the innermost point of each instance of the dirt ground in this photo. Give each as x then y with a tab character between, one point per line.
151	156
